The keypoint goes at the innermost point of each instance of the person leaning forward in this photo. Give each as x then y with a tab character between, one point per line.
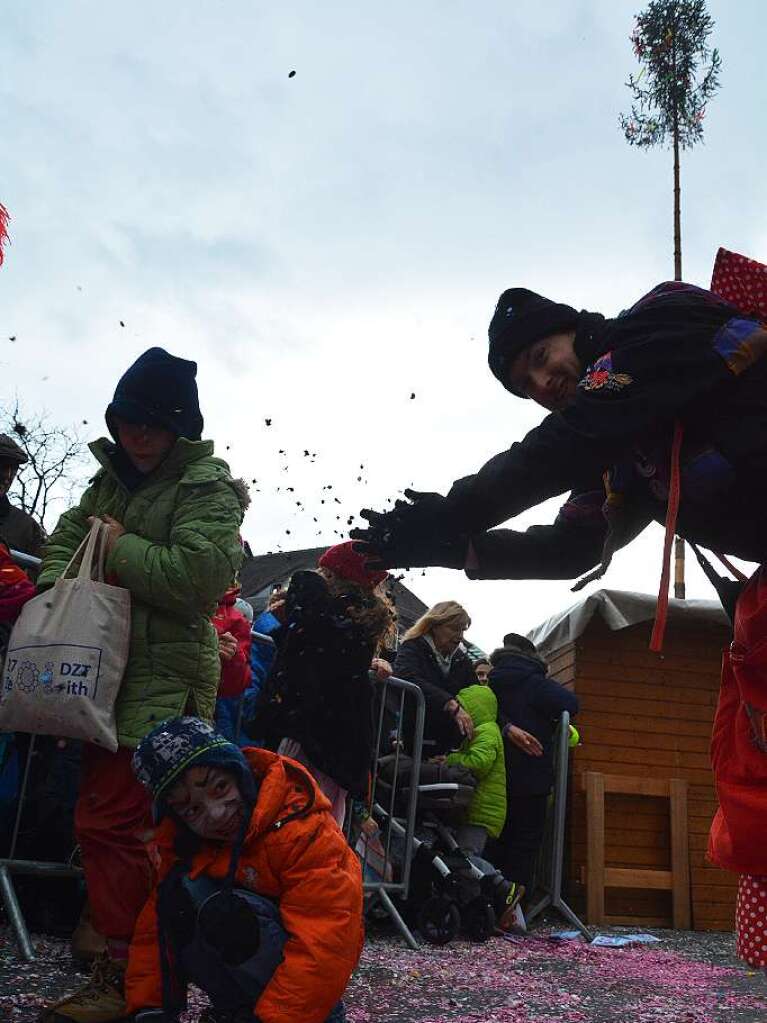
681	370
431	656
174	514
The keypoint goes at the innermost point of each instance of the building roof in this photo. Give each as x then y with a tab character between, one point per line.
260	574
619	609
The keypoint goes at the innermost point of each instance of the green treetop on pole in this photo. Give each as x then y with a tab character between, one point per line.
680	73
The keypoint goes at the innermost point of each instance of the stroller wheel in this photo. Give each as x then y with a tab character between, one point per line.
439	920
478	919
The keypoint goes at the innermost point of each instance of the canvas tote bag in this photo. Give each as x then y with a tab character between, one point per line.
67	653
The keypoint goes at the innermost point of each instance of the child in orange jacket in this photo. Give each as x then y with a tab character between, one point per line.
259	898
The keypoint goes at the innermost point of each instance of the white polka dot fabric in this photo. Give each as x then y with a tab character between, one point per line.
751	920
741	281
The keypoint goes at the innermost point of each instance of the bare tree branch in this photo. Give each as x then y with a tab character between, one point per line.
56	459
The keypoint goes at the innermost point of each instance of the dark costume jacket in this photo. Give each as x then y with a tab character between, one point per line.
318	691
19	530
680	354
417	663
529	699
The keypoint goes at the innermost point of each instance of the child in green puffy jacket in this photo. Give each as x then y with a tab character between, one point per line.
483	756
174	514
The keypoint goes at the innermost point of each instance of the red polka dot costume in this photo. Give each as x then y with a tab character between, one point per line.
751	920
740	281
743	282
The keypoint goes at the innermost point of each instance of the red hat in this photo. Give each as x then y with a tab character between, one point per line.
351	565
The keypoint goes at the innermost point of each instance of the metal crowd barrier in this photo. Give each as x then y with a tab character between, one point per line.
9	865
553	851
396	823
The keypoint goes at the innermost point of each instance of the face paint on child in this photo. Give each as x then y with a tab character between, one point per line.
208	801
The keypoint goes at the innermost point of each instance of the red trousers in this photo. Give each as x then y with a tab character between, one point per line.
738	838
112	815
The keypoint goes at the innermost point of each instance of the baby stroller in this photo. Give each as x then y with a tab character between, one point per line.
450	893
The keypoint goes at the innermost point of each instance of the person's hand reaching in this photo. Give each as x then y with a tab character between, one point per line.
227	646
417	532
461	718
276	603
381	667
523	740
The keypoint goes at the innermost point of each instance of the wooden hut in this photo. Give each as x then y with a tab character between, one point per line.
643	716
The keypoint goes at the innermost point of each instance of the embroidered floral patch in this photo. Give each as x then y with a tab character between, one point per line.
600	376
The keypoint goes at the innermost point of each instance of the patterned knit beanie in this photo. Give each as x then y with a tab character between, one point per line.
173	746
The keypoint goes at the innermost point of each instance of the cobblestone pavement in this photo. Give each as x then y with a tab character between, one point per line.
685	978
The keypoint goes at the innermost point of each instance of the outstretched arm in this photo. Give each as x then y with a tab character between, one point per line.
566	549
672	352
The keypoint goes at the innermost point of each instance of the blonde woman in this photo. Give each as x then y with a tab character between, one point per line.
431	656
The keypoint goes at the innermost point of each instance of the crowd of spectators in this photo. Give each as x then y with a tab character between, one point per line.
179	800
506	732
178	813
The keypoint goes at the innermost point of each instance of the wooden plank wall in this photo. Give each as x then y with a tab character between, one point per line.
647	715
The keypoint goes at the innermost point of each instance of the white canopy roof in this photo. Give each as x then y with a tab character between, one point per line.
618	609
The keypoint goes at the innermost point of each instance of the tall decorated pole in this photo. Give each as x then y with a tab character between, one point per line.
4	218
680	73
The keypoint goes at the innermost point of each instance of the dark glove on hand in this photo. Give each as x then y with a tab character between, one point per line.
415	533
424	552
420	514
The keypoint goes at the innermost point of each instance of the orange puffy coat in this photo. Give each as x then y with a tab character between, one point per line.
295	853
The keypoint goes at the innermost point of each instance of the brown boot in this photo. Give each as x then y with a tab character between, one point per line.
86	944
101	1000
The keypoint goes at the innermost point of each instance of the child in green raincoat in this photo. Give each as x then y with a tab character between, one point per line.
483	756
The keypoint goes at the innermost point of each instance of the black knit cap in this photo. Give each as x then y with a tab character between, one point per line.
522	317
159	389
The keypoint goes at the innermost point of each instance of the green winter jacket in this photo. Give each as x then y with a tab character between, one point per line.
484	758
179	554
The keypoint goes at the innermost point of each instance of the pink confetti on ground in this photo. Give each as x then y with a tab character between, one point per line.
534	980
523	980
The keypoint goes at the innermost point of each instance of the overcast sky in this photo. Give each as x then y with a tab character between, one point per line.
327	244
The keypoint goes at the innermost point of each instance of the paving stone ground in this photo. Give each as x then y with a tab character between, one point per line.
685	978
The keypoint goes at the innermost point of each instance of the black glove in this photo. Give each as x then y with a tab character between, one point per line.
418	532
420	511
426	552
